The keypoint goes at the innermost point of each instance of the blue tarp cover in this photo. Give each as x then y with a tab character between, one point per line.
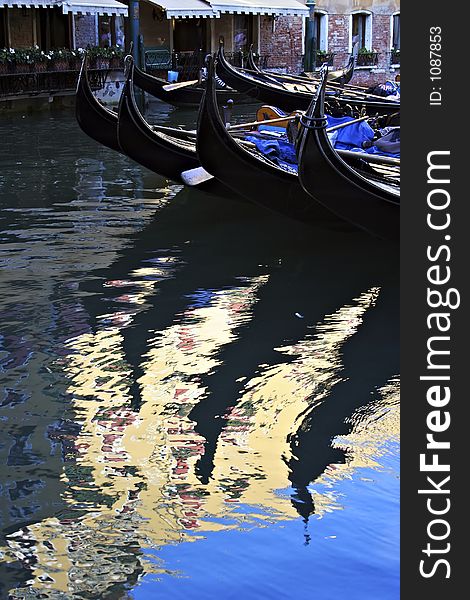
282	152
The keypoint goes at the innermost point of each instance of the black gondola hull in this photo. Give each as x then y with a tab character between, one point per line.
95	120
250	176
186	96
274	94
162	153
367	204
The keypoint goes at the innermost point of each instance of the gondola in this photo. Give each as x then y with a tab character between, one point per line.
248	172
294	96
164	151
362	201
97	121
184	96
340	76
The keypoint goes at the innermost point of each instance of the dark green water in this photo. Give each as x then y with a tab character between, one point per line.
199	398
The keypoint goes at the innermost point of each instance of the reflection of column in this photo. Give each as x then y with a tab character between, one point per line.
90	184
253	451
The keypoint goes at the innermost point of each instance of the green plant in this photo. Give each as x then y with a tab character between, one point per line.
7	55
38	55
107	53
24	56
366	51
59	54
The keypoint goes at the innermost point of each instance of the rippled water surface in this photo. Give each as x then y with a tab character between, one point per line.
199	398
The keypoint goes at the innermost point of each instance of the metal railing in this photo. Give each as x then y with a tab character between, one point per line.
324	58
395	57
158	59
13	85
367	59
188	64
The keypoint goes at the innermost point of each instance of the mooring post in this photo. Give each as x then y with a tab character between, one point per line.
137	45
310	57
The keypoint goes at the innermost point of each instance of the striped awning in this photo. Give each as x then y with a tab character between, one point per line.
76	7
174	9
93	7
185	9
28	3
261	7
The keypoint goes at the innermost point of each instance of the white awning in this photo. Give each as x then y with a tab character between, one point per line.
178	9
76	7
93	7
261	7
28	3
186	9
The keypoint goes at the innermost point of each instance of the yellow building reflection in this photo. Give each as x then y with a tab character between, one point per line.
132	483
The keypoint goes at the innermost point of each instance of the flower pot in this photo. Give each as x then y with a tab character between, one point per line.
367	59
102	63
4	68
40	67
115	63
23	68
75	64
60	65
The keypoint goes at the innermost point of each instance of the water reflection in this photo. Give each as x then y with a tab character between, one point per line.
177	365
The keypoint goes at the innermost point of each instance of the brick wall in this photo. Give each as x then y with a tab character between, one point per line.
85	31
338	38
281	39
338	41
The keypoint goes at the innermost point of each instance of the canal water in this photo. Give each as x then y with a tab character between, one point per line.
199	398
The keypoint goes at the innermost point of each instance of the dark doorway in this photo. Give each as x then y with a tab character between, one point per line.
189	35
3	28
53	29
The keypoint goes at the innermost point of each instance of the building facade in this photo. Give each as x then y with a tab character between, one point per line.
61	23
277	33
276	29
373	25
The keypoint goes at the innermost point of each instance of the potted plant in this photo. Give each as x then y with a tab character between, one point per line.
395	56
75	58
367	58
116	55
7	57
99	57
23	60
322	57
59	59
39	59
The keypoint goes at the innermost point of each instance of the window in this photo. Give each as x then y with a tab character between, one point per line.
361	30
320	28
119	27
242	32
396	32
107	31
